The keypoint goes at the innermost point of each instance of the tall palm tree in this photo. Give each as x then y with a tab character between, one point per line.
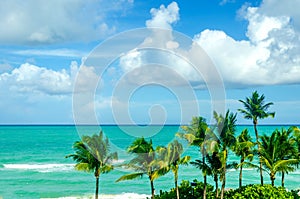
244	148
92	154
225	127
196	134
271	157
256	108
288	149
170	159
144	162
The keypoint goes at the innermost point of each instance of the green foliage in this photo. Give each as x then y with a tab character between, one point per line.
256	191
296	193
92	154
259	192
187	191
256	108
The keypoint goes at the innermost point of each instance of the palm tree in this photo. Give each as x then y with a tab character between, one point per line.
170	159
92	155
143	162
271	157
255	108
196	134
225	127
296	135
288	149
212	166
244	148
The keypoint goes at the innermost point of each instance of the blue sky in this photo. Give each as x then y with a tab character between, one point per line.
254	45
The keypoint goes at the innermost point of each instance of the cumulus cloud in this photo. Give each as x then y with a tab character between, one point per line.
271	55
29	78
165	56
164	17
40	22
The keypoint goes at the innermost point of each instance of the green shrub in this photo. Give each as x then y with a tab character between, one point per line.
259	192
246	192
186	191
296	193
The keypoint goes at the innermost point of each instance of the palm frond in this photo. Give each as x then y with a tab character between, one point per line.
130	176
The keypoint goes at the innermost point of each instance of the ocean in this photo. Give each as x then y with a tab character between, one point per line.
33	163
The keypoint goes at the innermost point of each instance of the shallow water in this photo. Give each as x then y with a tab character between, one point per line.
33	163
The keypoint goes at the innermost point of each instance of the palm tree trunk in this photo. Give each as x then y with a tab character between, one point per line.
223	183
241	173
272	178
258	146
152	189
204	178
176	182
282	179
97	187
217	185
224	175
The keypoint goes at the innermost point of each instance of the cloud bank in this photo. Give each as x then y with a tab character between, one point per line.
44	22
270	56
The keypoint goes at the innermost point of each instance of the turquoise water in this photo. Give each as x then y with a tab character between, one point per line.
33	163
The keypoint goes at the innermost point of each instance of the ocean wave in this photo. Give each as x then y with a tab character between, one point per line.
43	168
106	196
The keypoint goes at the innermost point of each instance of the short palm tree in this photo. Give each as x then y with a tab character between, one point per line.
256	108
212	167
143	162
270	153
170	159
225	127
244	148
288	149
296	135
196	134
92	154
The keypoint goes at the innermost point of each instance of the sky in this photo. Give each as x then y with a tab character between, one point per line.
50	52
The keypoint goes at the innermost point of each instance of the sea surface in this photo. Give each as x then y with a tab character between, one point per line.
33	163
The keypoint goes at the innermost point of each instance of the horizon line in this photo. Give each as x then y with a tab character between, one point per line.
110	124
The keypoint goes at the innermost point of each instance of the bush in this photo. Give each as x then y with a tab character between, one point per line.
186	191
259	192
296	193
246	192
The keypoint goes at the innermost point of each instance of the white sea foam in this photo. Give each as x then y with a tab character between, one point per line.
43	168
104	196
118	161
244	169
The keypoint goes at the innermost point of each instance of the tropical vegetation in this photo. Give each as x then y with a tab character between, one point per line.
255	108
92	154
144	162
275	153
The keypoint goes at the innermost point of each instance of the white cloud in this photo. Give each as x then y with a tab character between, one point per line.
164	17
131	60
30	78
158	65
271	55
36	22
